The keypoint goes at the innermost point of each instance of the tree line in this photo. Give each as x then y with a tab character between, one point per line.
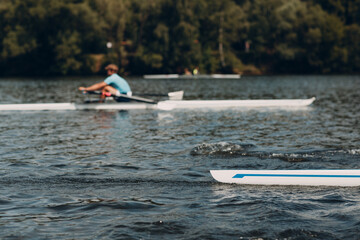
67	37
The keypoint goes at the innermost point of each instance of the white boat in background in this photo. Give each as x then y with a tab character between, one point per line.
161	76
198	76
162	105
345	178
224	76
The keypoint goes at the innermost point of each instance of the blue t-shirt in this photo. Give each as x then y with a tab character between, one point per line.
118	82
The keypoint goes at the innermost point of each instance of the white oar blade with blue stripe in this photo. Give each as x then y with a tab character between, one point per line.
289	177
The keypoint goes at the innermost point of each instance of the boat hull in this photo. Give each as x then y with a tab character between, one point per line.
341	177
192	104
163	105
75	106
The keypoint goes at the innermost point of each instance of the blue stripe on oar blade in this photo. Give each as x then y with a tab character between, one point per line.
295	175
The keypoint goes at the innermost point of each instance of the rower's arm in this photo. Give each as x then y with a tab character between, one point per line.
96	86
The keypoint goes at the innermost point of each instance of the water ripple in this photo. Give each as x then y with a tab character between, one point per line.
144	174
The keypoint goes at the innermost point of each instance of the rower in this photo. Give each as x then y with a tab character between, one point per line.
112	85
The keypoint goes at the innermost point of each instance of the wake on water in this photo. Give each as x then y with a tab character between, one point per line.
227	149
221	148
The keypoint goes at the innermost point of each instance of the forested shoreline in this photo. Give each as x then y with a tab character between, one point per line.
78	37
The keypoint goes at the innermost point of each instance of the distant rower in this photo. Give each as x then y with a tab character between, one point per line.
113	84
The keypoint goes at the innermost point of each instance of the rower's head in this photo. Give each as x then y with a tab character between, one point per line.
111	69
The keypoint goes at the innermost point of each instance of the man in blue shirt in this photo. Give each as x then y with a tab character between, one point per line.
113	84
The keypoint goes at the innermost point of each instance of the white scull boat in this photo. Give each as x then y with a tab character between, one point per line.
289	177
162	105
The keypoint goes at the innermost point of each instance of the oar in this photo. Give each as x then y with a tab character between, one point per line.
133	98
92	92
123	97
163	105
178	95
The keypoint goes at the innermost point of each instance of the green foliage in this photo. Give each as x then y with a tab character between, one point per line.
352	38
17	42
42	37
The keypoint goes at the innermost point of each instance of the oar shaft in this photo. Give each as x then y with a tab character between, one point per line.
136	94
151	94
92	92
172	96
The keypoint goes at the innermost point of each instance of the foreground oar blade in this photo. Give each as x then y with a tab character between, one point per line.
350	177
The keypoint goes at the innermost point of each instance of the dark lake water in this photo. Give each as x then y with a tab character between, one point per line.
144	174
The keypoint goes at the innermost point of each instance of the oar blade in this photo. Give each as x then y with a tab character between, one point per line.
178	95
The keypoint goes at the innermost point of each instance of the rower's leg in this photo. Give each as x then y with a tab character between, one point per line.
109	89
